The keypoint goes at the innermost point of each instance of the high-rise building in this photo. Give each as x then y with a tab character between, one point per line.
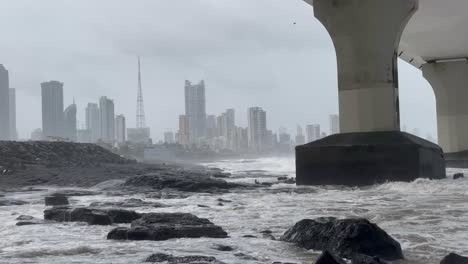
242	139
169	137
69	127
120	129
211	130
4	104
313	132
107	117
93	122
300	138
195	110
334	124
184	136
52	110
230	129
12	107
257	129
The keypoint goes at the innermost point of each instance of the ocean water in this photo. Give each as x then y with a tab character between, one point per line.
429	219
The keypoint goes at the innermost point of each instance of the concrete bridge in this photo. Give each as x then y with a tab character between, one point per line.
369	36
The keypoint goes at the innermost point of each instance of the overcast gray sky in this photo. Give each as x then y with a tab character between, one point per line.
249	52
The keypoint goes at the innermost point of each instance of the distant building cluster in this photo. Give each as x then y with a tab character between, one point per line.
7	107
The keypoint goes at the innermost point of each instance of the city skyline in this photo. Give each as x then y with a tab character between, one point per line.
291	69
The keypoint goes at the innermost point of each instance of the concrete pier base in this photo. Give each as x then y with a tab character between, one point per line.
366	158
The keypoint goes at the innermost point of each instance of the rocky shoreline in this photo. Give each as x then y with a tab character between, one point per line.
348	240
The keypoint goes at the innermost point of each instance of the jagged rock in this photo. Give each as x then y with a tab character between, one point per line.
346	238
169	259
182	180
11	202
458	176
128	203
453	258
329	258
56	200
163	226
90	216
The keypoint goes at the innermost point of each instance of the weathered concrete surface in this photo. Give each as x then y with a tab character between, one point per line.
358	159
366	35
450	83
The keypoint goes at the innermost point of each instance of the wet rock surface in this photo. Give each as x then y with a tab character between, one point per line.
453	258
56	200
11	202
163	226
458	176
91	216
128	203
329	258
345	238
182	180
170	259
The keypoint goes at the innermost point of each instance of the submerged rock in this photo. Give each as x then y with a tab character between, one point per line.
346	238
11	202
458	176
169	259
182	180
71	193
91	216
329	258
220	247
128	203
56	199
453	258
163	226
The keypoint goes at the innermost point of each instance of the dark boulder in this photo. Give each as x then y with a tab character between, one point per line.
169	259
56	200
364	259
453	258
163	226
346	238
458	176
329	258
90	216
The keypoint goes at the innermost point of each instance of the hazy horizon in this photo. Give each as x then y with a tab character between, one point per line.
268	53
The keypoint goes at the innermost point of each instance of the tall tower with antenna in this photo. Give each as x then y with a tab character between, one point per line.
140	118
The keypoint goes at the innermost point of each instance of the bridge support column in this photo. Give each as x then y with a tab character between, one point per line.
366	35
450	83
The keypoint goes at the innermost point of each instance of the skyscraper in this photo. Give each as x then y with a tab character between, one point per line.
12	114
183	131
195	110
4	104
52	109
257	129
300	138
69	126
93	122
211	130
313	132
107	117
231	129
120	128
334	124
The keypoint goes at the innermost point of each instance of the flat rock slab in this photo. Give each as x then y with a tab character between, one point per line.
359	159
164	226
91	216
346	238
169	259
182	180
